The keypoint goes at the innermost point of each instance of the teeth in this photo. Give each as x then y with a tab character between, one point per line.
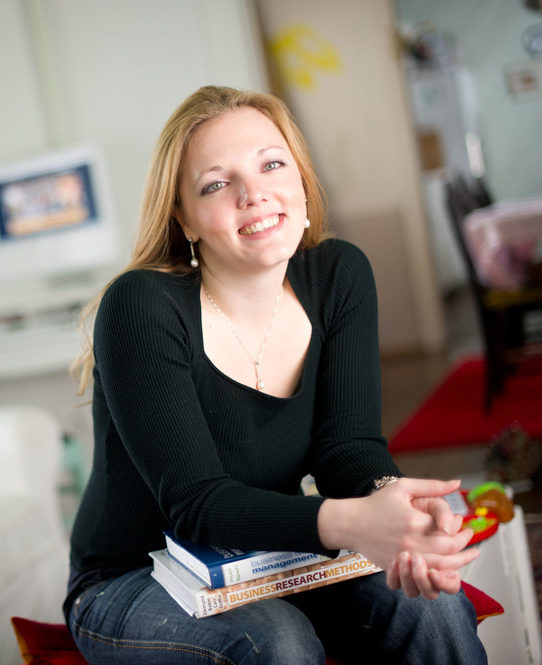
260	226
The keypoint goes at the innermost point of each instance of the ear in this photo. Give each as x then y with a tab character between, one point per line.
177	214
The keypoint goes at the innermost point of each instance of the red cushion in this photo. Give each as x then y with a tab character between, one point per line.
485	605
46	643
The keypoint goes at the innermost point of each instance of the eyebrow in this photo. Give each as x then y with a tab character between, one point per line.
217	168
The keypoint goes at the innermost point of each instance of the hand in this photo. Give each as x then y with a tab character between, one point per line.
411	573
409	517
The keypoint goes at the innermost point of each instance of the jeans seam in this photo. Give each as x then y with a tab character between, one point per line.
147	644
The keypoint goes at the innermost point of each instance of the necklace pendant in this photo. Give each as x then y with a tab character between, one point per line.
260	385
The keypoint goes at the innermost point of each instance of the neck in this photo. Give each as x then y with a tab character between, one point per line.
244	296
246	308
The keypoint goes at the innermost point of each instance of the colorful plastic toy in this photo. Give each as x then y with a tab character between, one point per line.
482	509
492	495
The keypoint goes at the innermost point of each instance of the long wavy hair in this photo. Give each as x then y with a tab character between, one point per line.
160	243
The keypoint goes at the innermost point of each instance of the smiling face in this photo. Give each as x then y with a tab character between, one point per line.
242	193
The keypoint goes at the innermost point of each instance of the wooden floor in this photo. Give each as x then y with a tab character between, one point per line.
407	381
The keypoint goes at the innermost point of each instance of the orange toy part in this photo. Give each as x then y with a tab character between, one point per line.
497	502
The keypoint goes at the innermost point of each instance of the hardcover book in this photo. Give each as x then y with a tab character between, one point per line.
218	566
201	601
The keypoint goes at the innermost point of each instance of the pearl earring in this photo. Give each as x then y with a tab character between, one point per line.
193	261
307	221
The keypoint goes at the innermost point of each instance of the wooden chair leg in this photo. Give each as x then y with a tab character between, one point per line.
495	336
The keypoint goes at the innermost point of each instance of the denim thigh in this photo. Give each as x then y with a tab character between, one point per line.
131	619
362	621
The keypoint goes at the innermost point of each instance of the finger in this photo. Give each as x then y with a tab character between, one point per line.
405	576
421	578
392	576
462	538
444	518
454	525
440	513
452	561
422	487
445	580
449	523
437	543
467	535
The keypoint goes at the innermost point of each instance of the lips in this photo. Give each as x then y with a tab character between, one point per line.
257	227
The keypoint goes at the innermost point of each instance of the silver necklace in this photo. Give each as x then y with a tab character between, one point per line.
257	361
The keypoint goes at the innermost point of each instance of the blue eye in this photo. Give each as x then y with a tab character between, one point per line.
213	187
275	164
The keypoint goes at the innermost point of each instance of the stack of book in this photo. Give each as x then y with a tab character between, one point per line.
207	580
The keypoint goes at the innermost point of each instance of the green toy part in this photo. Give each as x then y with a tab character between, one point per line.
477	491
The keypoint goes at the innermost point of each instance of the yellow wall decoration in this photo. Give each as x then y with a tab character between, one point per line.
301	53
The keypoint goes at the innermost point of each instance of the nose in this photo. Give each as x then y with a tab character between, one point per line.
250	193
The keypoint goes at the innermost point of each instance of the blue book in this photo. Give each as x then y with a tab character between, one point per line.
218	567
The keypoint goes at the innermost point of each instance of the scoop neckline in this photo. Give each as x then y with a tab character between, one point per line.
300	384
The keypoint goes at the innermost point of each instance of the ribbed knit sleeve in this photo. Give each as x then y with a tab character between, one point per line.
348	450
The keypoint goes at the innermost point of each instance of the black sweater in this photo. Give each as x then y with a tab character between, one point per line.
179	444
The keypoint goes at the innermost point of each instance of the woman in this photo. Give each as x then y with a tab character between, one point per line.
237	353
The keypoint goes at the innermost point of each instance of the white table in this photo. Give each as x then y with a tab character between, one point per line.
504	571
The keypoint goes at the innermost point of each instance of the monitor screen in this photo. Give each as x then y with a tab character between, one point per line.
48	202
56	216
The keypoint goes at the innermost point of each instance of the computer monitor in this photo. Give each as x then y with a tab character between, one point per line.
56	217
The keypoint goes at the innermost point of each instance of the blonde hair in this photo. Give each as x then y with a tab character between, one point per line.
160	243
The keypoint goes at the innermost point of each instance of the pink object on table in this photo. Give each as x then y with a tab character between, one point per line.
505	242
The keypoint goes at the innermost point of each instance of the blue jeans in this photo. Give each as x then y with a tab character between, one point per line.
131	619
